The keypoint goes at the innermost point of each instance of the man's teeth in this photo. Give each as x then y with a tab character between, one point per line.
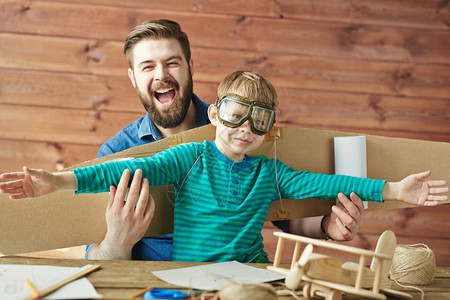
162	91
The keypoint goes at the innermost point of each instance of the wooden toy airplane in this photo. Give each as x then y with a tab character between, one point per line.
329	277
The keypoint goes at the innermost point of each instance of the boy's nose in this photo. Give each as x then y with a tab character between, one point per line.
246	126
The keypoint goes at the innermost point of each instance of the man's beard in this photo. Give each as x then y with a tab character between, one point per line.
172	116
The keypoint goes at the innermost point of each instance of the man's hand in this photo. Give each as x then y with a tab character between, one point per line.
127	221
345	219
341	225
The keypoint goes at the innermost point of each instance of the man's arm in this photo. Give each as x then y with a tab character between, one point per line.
341	225
127	218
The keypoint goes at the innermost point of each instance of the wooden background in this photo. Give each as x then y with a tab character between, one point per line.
375	67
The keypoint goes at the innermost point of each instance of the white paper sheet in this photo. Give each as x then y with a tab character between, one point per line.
213	276
350	157
13	286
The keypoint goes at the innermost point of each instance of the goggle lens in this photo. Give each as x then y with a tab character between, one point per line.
234	111
262	118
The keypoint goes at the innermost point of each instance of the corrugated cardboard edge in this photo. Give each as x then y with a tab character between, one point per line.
65	220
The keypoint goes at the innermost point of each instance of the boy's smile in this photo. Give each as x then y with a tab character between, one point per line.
243	142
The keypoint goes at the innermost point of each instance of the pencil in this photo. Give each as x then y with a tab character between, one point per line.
33	289
140	292
63	282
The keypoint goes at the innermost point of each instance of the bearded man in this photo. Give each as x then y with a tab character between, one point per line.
160	69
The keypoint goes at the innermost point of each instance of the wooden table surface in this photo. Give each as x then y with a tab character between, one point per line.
121	279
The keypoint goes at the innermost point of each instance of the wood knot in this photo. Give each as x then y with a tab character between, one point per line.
56	146
99	103
97	115
25	7
256	61
442	5
241	19
400	77
93	55
374	104
348	35
90	46
408	212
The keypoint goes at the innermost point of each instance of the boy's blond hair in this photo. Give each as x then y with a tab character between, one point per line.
250	85
156	29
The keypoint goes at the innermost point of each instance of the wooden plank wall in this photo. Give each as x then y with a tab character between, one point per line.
374	67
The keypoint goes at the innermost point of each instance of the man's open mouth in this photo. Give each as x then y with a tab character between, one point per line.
165	95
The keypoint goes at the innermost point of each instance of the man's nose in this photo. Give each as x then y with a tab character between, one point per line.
160	73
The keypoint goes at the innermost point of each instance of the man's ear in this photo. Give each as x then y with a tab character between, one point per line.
212	114
191	67
131	76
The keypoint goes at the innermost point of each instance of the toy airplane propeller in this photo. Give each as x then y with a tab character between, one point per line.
296	272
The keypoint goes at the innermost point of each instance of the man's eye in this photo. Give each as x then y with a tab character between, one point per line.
148	68
237	116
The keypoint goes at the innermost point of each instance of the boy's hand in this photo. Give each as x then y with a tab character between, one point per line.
415	190
31	183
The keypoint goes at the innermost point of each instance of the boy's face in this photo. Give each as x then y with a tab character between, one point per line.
234	142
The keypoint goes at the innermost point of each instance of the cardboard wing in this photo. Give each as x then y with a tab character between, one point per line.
64	219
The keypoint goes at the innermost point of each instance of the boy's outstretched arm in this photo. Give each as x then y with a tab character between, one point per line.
34	183
414	189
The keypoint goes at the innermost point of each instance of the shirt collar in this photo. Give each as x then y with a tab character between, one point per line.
245	164
148	129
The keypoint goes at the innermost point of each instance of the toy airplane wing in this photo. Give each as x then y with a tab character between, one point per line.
65	219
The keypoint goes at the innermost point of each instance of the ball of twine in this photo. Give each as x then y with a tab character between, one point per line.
413	264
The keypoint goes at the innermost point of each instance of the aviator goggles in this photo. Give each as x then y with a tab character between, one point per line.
233	110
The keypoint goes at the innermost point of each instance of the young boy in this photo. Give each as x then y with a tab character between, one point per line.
222	195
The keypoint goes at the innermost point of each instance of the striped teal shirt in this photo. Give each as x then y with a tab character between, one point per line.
221	205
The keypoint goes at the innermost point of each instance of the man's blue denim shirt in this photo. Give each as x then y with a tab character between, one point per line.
140	132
